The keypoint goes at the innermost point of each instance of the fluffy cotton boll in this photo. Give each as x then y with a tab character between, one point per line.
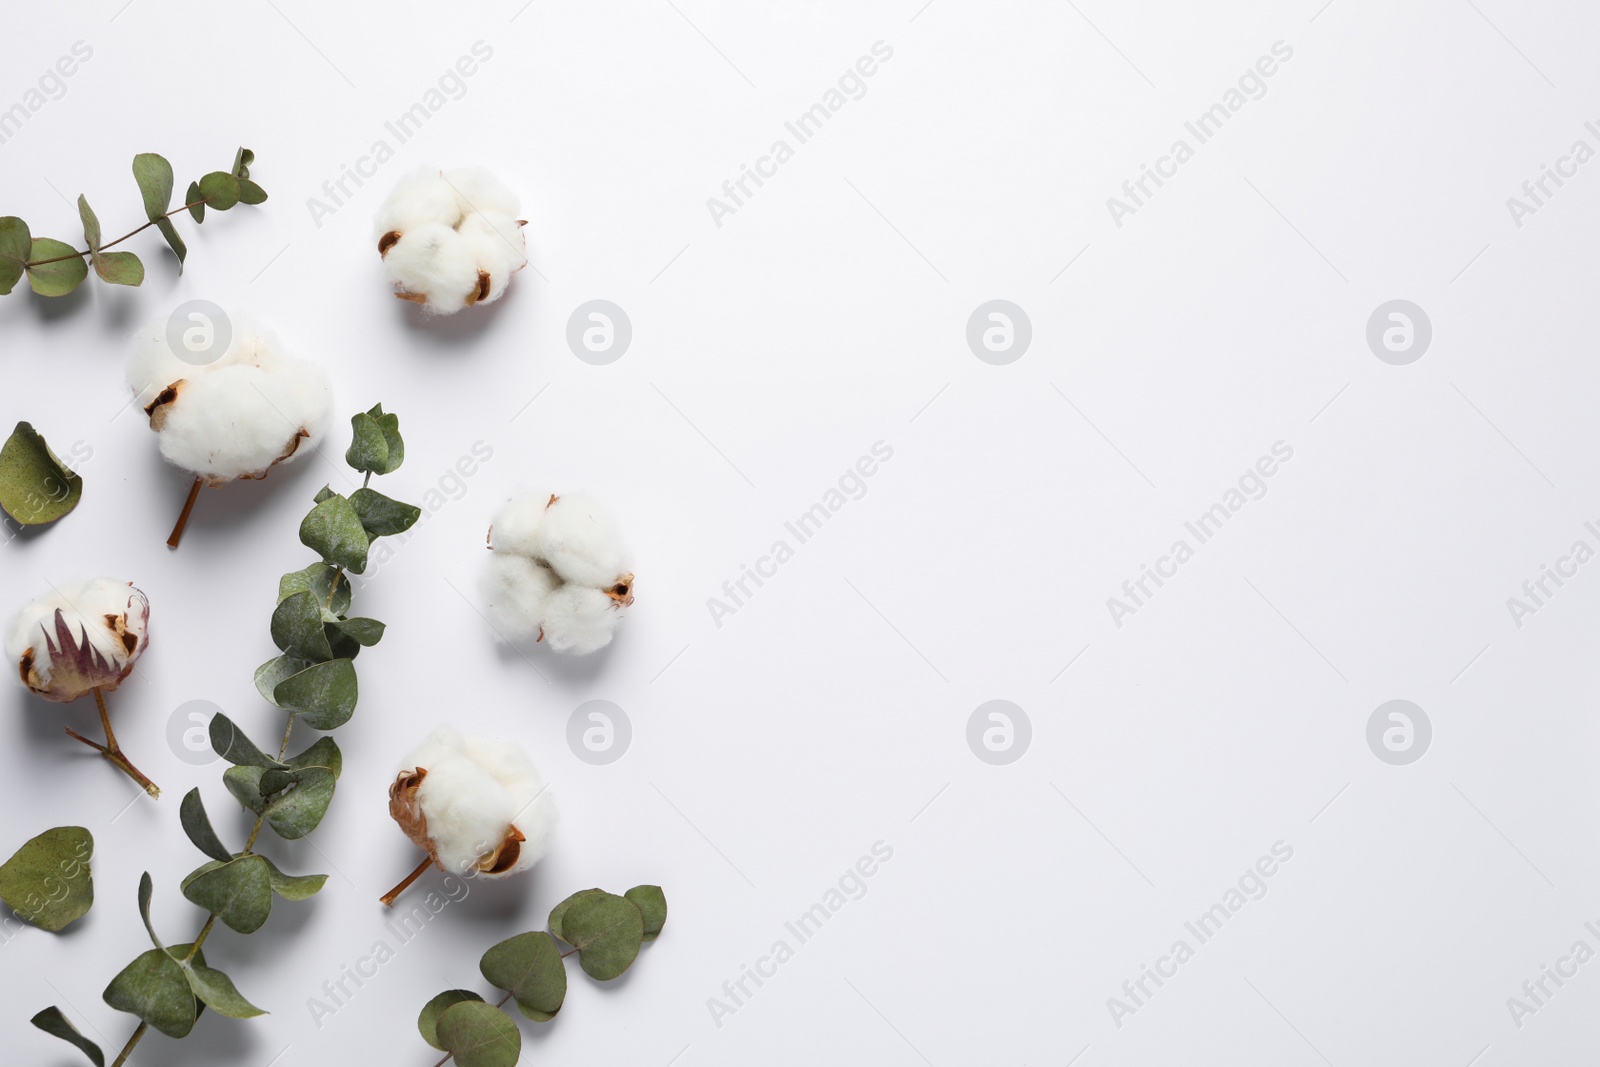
451	239
235	416
579	539
475	804
421	196
78	638
515	589
238	421
498	246
479	192
435	266
516	524
580	619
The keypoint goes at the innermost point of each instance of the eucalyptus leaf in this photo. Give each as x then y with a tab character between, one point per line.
91	224
35	486
146	888
251	193
366	632
231	744
607	931
323	753
55	268
216	991
52	1022
270	673
652	905
333	530
119	268
294	887
155	988
16	248
560	910
530	968
220	189
296	813
245	785
154	175
368	450
381	516
238	892
195	201
428	1021
324	694
319	579
170	232
197	824
47	882
479	1035
241	162
390	425
297	628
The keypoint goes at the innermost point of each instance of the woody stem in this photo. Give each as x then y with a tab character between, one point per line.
183	517
111	751
405	883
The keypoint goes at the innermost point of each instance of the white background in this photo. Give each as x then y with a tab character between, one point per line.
769	353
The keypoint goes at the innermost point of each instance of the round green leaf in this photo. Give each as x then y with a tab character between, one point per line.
607	931
296	813
297	628
319	578
529	967
154	988
368	450
35	486
325	694
270	673
238	892
47	881
479	1035
560	910
380	516
119	268
251	193
59	277
652	905
195	200
428	1021
333	530
91	224
220	189
16	246
197	825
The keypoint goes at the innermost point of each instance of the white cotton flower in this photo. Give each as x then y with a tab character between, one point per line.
79	638
474	804
450	239
559	570
235	417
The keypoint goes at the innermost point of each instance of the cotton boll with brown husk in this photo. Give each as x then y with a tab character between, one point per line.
559	573
79	640
235	417
450	239
476	805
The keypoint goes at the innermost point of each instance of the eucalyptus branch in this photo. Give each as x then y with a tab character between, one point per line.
314	681
605	932
55	268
